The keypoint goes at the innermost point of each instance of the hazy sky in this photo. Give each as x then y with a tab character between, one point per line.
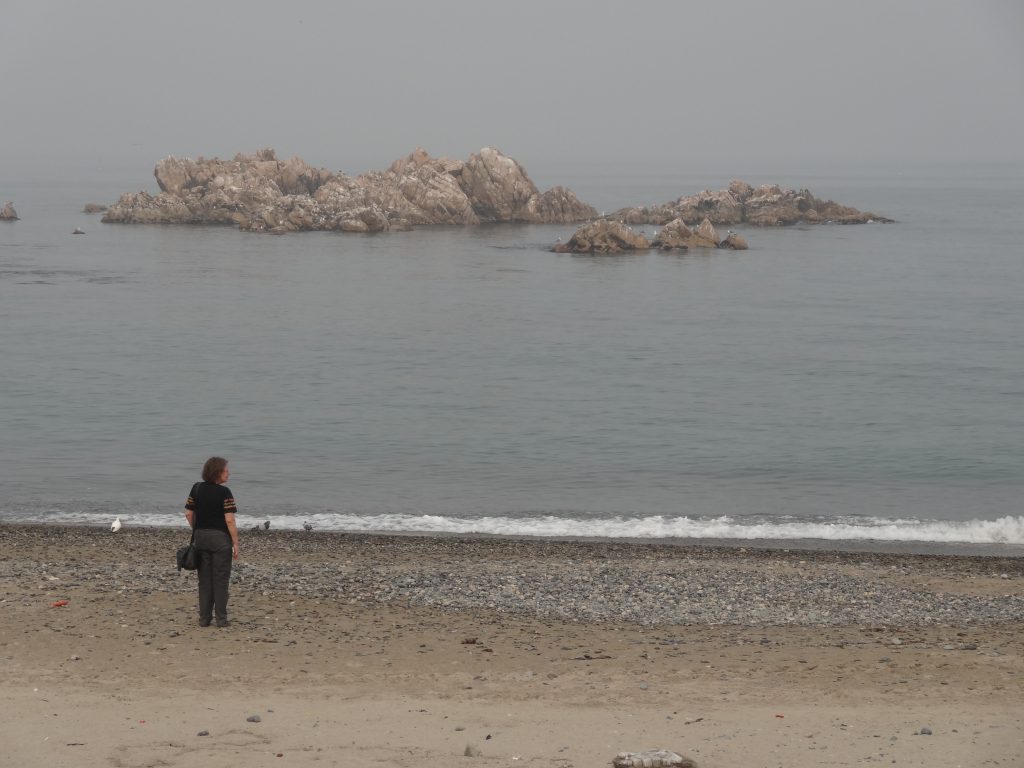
351	86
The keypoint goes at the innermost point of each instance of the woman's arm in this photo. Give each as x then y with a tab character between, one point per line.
188	516
229	518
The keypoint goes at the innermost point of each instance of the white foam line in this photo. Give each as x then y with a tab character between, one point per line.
1004	530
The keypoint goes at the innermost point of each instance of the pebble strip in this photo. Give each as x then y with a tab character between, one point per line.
635	583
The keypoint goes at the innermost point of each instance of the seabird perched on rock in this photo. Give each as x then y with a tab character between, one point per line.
266	526
78	231
307	526
116	525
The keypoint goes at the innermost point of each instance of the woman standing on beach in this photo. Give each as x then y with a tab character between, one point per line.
210	509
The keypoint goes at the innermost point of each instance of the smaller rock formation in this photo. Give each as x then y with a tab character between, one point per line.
705	236
735	242
603	236
94	208
676	236
78	231
768	205
7	213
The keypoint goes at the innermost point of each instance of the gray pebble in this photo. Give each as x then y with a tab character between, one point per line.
644	686
203	733
925	731
253	719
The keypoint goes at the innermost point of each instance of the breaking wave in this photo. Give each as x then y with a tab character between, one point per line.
1004	530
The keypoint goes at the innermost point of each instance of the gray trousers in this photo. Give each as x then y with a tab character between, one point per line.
214	548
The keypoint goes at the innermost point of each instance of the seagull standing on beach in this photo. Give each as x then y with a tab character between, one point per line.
116	525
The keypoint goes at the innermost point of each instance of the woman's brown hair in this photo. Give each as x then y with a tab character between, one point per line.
212	469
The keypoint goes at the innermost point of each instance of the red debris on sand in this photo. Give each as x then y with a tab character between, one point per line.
59	604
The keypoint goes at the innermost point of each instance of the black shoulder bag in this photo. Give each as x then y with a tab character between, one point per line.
188	558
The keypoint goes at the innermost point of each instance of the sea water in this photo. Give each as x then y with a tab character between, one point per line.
844	383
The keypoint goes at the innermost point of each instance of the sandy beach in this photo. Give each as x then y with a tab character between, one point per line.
416	651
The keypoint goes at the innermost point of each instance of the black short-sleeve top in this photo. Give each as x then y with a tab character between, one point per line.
210	502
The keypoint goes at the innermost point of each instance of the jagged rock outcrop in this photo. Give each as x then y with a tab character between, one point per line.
603	236
767	205
7	213
706	236
261	193
94	208
676	236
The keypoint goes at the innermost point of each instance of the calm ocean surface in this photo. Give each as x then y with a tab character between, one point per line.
840	383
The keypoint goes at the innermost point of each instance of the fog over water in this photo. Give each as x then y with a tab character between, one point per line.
114	86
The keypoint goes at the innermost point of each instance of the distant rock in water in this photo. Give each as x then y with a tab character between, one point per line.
676	236
263	194
603	236
610	236
767	205
734	242
7	213
94	208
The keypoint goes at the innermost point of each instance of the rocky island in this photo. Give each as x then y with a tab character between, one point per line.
768	205
261	193
612	237
7	213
